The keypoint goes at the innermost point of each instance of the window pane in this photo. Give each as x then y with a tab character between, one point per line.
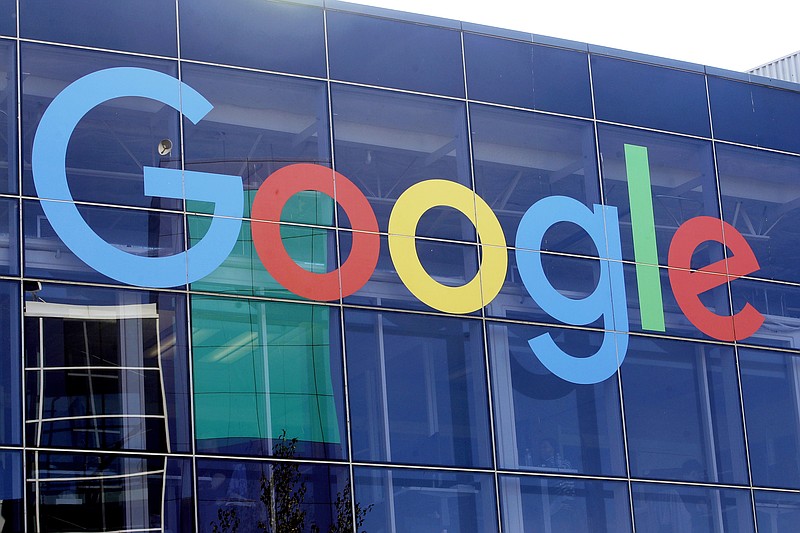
427	501
8	113
527	75
678	509
682	186
254	33
395	54
544	423
9	236
520	158
771	406
8	17
71	492
417	389
259	123
754	114
137	232
386	142
759	198
112	371
682	411
531	504
777	512
114	141
242	492
10	361
266	369
146	26
651	96
11	487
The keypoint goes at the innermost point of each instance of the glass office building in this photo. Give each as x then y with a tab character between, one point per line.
558	289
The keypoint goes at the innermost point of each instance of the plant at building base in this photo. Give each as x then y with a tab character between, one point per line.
228	521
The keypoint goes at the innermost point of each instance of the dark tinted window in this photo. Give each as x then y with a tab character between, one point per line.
8	115
544	423
254	33
646	95
560	504
395	54
769	392
678	509
10	390
527	75
8	17
417	389
682	411
754	114
146	26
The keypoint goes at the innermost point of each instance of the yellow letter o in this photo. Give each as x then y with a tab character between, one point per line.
407	211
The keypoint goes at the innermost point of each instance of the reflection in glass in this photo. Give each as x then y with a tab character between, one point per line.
533	504
523	157
544	423
426	501
280	496
266	369
71	492
417	389
386	142
661	508
103	375
682	411
772	410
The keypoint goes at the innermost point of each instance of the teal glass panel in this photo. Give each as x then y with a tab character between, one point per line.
265	369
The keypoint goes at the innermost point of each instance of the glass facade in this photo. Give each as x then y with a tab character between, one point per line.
279	266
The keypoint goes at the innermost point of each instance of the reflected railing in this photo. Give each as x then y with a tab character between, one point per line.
96	383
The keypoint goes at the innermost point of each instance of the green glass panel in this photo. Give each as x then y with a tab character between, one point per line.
262	368
242	271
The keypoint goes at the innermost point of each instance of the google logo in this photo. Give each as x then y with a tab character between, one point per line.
601	223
